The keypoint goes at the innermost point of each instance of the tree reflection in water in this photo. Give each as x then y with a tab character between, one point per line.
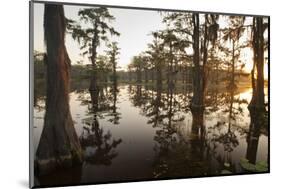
185	143
175	156
178	155
98	145
202	150
114	115
257	126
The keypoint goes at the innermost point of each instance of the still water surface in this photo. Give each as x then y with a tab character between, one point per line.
140	132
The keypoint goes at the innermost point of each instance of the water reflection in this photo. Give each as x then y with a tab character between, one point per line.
152	130
258	126
224	132
96	143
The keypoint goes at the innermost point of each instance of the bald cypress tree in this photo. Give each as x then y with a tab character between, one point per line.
113	51
97	28
59	146
258	45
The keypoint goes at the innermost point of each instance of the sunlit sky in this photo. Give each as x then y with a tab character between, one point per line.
134	26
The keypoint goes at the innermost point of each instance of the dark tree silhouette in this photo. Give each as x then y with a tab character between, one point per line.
200	46
253	137
258	44
137	64
257	105
59	145
90	38
103	67
233	34
198	82
155	52
113	52
94	136
171	43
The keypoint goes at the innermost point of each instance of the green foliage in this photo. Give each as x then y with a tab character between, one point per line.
260	166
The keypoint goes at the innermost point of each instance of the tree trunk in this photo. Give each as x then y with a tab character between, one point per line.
260	63
253	137
230	109
159	73
205	55
170	65
170	105
114	73
256	106
198	72
152	74
146	75
59	146
198	132
94	78
94	100
257	101
139	75
197	122
157	104
232	82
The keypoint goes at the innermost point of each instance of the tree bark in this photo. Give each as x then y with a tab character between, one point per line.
59	146
114	72
198	131
198	72
94	78
257	101
260	63
170	65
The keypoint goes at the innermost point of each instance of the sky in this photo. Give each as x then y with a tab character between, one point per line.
134	26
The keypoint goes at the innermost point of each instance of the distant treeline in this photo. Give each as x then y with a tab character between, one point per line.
184	75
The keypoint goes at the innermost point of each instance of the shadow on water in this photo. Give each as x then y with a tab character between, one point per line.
152	129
